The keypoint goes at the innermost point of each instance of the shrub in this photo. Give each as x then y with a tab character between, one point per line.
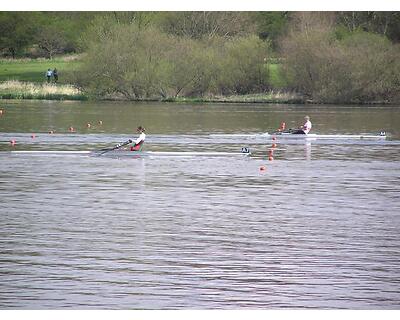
134	63
242	66
361	67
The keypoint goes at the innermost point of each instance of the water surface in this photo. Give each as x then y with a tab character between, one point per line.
318	228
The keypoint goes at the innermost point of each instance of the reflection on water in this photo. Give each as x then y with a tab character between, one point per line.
319	228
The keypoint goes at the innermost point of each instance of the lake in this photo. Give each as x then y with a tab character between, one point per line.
317	227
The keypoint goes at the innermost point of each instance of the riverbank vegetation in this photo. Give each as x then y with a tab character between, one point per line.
333	65
160	65
28	90
324	57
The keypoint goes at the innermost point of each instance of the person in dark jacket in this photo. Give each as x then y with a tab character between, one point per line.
55	75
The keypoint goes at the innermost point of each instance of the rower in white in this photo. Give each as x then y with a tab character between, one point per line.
305	128
138	143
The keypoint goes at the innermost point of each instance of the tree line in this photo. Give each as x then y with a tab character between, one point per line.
326	56
33	34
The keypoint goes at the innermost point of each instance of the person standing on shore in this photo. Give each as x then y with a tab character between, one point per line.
55	75
49	73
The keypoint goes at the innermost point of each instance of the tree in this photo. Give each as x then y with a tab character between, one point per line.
123	60
51	40
206	24
60	32
385	23
242	66
17	30
126	62
271	25
361	67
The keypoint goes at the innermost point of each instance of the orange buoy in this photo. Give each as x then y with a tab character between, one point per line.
271	152
51	132
274	145
270	158
263	168
33	136
12	142
100	122
273	138
71	129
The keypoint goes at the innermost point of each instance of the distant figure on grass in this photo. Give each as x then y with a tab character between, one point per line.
305	128
55	75
49	73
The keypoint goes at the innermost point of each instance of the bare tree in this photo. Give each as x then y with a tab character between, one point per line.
207	24
51	40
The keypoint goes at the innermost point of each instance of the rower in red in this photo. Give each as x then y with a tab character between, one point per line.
138	143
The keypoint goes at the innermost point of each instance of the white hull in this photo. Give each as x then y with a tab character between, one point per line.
324	136
131	154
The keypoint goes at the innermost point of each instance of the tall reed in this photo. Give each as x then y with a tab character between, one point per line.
28	90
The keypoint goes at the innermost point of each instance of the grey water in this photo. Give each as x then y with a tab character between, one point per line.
317	227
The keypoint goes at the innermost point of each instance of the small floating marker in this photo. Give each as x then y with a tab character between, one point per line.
270	158
71	129
263	168
13	143
1	112
88	125
274	138
33	136
51	132
271	152
100	122
274	145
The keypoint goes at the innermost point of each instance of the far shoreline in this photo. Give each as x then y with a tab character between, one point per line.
17	90
237	100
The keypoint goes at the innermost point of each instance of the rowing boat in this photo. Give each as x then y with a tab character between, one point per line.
287	135
132	154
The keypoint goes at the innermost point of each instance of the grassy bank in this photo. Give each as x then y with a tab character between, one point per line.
29	90
44	91
267	97
33	70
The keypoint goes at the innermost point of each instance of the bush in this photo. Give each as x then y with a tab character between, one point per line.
136	63
375	67
242	66
361	67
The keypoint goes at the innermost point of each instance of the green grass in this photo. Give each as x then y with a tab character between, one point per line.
275	75
33	70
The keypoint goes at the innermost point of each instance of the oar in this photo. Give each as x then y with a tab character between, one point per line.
119	145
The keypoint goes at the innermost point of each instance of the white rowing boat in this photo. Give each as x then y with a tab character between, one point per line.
287	135
132	154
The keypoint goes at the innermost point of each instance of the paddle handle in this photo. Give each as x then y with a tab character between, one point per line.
119	145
